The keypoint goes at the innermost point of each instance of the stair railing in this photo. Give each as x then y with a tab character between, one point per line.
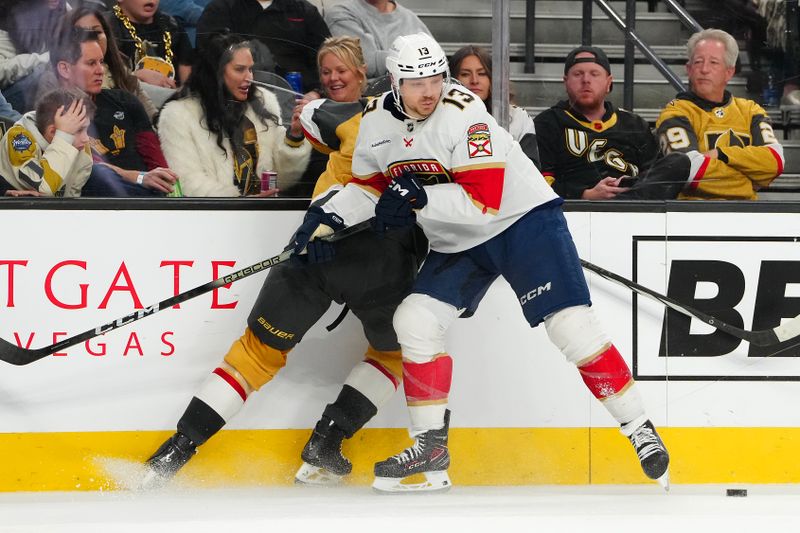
628	27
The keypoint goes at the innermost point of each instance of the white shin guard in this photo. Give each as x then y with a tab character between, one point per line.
372	383
221	396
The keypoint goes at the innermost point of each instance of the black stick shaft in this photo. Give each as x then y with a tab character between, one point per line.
767	337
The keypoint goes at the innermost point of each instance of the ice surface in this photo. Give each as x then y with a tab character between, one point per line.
353	509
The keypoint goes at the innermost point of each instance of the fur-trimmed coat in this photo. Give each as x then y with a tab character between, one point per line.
204	170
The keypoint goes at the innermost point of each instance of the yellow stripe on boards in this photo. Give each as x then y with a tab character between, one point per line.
494	456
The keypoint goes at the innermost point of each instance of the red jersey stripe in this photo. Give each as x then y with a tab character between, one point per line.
700	172
779	159
235	385
382	369
483	185
378	182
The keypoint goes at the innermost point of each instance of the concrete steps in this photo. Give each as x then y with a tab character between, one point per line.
562	28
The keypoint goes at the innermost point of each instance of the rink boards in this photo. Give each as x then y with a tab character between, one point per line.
521	414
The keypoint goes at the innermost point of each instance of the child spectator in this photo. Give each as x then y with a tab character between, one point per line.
377	23
156	45
48	150
220	132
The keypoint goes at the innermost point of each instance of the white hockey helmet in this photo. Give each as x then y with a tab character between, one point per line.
415	56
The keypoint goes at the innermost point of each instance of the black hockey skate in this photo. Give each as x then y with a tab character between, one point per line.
323	463
429	456
651	452
168	459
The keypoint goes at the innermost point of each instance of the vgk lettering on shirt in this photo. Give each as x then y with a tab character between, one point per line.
577	143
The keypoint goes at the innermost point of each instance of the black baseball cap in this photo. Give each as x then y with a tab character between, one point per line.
600	58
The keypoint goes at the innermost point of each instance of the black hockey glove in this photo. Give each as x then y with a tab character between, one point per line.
317	223
396	205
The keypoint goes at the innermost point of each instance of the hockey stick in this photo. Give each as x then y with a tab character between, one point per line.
276	88
15	355
764	337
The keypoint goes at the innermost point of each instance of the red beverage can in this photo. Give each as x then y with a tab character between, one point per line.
269	180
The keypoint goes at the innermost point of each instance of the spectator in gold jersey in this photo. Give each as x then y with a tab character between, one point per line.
734	134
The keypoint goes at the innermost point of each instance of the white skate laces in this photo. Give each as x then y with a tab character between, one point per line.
409	454
645	442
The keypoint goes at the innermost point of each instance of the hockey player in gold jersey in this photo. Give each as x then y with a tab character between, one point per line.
735	134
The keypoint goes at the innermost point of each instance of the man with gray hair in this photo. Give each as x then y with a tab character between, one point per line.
734	134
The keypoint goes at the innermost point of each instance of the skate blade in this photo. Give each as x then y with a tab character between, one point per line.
314	475
434	481
664	481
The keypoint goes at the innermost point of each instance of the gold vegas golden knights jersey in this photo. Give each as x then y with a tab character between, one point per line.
749	155
332	128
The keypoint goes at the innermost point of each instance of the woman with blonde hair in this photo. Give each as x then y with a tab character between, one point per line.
343	78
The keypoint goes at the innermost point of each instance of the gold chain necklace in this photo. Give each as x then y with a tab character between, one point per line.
145	60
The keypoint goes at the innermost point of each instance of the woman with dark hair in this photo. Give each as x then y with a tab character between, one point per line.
90	17
221	132
472	67
26	29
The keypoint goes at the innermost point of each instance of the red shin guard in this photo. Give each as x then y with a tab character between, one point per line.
607	374
428	383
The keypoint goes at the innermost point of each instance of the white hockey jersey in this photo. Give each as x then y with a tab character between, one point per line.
477	179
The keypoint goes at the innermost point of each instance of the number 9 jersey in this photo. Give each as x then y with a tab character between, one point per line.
749	155
477	178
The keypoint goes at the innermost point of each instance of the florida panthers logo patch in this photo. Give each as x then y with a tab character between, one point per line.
479	141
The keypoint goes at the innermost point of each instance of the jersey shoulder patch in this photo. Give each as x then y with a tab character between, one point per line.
21	145
479	140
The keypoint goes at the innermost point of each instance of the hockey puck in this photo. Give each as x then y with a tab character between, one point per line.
736	493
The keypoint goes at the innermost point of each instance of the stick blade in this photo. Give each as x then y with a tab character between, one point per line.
788	330
13	354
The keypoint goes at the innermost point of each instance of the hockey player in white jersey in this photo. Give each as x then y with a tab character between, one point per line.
429	153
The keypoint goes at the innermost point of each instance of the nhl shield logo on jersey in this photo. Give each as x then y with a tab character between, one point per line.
479	140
